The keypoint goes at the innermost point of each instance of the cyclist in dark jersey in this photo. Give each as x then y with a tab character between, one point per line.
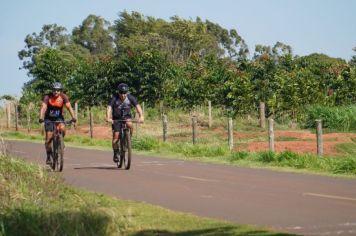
52	110
119	108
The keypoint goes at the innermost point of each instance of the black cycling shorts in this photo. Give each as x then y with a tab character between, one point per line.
116	126
49	126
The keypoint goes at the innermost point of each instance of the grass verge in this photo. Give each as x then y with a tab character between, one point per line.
345	166
35	202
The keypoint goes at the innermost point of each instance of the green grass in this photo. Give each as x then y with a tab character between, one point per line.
348	148
220	154
36	202
341	118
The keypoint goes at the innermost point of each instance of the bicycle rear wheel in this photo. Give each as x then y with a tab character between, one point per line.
125	157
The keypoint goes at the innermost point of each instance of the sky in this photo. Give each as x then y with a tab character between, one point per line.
308	26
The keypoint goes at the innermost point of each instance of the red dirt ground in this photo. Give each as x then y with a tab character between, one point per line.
306	142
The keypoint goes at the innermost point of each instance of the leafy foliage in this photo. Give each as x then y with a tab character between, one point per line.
183	63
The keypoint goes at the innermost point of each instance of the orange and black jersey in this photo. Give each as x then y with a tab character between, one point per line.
55	106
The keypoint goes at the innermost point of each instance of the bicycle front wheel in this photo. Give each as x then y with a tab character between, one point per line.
126	150
60	152
54	153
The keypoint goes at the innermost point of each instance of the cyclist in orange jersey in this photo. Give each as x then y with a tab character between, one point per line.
52	110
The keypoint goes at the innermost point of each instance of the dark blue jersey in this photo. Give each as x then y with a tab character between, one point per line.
122	109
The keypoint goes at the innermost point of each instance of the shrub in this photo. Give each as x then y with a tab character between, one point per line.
345	166
235	156
145	143
267	156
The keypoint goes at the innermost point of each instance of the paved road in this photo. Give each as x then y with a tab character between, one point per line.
297	203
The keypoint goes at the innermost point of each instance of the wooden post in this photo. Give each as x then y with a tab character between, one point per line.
319	137
8	115
76	114
270	135
262	115
91	122
29	108
143	109
16	106
231	134
164	125
161	107
137	126
194	129
210	118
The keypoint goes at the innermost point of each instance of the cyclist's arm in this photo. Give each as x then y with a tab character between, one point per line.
43	110
70	109
109	114
140	113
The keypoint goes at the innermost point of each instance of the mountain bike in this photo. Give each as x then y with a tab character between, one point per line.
125	151
57	145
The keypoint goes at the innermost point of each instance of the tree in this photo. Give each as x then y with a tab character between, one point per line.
51	65
92	81
94	34
51	36
353	59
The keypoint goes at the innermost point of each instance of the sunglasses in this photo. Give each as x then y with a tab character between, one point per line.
122	92
57	90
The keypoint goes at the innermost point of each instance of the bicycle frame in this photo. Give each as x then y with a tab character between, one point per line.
125	144
57	145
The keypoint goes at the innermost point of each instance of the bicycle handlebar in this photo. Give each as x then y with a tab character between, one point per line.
67	122
133	121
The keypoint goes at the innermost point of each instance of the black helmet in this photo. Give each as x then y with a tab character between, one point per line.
123	88
57	86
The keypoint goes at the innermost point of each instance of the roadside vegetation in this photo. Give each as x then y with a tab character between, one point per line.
35	202
146	145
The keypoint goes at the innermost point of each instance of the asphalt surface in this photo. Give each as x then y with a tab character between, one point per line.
296	203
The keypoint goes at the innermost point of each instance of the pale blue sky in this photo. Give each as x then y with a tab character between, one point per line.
322	26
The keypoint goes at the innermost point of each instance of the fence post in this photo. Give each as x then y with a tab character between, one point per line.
231	134
161	107
194	129
137	126
91	122
143	109
319	137
76	114
262	115
270	135
210	117
16	106
164	125
8	115
29	108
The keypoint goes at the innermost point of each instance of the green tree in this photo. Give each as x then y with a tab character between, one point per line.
51	36
94	34
51	65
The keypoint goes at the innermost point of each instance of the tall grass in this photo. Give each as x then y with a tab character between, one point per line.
346	165
341	118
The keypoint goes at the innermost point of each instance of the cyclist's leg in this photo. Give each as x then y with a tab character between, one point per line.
62	128
130	126
115	140
48	141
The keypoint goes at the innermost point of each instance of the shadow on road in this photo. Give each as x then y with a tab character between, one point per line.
97	167
224	231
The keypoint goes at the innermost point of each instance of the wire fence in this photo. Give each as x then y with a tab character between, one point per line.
203	125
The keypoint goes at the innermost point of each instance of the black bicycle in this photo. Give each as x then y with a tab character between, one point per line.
125	151
57	157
